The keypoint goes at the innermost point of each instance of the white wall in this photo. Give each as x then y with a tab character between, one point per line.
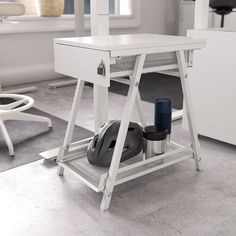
230	21
28	57
187	19
172	16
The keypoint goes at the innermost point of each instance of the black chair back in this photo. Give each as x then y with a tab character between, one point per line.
223	7
222	3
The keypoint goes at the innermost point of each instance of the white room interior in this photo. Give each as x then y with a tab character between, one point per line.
40	62
184	57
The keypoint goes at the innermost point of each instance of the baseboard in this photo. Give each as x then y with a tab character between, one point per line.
27	74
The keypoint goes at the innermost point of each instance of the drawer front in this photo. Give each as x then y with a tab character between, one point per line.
82	63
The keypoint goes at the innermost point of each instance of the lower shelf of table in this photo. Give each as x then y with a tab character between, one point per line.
95	177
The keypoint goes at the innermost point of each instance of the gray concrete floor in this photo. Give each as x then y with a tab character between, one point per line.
174	201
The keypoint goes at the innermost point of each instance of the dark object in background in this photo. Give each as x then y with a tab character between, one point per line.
153	84
163	114
223	7
101	148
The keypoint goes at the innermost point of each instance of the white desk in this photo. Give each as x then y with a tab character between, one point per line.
121	55
132	41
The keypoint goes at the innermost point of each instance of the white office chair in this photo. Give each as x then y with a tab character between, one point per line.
223	8
13	110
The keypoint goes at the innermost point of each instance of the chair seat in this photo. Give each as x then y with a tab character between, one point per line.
11	9
216	4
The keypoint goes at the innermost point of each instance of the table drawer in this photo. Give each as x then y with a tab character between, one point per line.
82	63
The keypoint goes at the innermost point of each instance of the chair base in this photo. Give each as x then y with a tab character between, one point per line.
15	111
6	138
23	117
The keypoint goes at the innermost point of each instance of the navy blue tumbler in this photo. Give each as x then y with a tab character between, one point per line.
163	114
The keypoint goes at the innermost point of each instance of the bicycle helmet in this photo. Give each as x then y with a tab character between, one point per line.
101	148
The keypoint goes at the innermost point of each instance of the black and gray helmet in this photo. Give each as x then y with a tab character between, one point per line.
101	148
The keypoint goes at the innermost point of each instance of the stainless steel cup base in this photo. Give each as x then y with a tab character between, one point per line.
154	148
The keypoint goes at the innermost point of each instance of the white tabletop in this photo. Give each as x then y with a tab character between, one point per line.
131	41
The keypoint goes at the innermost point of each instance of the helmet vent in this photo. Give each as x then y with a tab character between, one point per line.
101	148
125	148
112	145
95	141
131	129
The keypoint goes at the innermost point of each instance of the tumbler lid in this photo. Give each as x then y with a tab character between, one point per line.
153	134
163	105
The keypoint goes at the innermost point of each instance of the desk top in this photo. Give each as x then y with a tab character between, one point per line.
131	41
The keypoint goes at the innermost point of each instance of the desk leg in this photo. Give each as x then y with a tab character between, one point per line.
140	109
130	101
177	115
71	123
100	106
189	109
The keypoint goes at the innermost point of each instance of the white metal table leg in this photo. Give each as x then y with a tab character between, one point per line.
100	26
189	109
71	122
177	115
7	138
130	101
100	106
140	109
18	90
21	90
60	171
62	84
